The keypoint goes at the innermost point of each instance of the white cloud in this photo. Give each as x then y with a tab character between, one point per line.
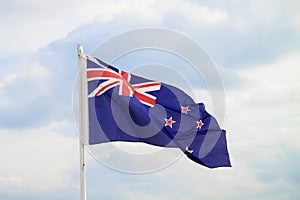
296	21
262	116
187	180
273	83
37	159
30	80
262	121
276	82
54	19
199	14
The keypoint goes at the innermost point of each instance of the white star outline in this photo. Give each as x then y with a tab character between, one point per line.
169	122
188	151
185	109
199	124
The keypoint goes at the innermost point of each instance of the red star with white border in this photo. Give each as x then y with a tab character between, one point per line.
188	151
185	109
169	122
199	124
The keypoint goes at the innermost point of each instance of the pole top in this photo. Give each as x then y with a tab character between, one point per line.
80	49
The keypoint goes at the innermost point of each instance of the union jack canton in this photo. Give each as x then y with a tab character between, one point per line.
122	79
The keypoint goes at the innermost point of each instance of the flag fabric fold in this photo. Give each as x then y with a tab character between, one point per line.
125	107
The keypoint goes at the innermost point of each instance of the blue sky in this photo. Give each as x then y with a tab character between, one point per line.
255	44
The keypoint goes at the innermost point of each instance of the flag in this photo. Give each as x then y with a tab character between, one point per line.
126	107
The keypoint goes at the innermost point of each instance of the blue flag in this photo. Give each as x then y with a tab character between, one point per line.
125	107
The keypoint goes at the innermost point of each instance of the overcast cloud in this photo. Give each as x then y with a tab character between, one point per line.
255	44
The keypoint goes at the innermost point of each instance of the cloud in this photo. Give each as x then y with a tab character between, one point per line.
262	99
37	159
43	22
187	180
263	122
254	32
24	95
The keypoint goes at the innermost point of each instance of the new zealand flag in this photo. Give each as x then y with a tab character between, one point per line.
125	107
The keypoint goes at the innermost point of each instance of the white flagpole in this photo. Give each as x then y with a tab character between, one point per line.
83	118
82	172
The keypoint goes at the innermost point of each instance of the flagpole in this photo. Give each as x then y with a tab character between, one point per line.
82	172
83	122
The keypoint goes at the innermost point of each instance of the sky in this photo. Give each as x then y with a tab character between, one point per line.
255	46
